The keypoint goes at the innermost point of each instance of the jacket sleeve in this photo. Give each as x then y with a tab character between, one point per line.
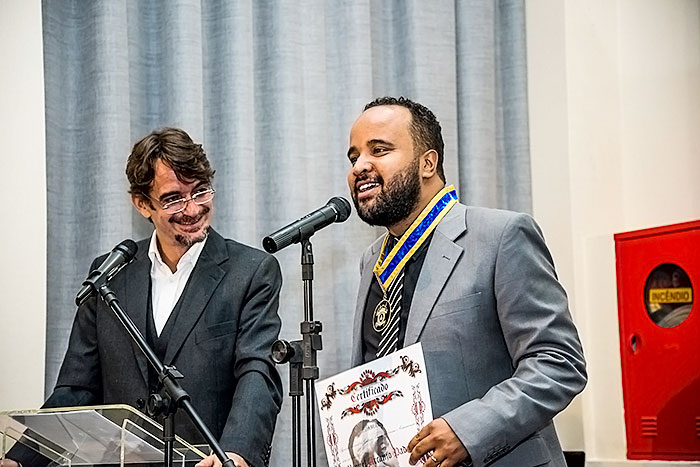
547	358
258	394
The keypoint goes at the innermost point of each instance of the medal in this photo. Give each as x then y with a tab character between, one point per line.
381	315
390	264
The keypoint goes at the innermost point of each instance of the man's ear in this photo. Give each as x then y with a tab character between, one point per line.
142	204
428	165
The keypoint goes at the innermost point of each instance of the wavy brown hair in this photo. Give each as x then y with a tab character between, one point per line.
175	148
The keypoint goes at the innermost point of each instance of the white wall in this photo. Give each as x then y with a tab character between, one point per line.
615	140
23	231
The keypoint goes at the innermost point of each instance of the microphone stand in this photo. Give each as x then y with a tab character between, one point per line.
301	355
171	396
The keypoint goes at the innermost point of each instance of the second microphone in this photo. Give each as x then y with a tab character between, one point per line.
336	210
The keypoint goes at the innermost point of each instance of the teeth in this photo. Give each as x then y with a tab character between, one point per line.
367	186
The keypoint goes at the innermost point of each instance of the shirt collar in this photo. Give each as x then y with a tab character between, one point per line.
189	258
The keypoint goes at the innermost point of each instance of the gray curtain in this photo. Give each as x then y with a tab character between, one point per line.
271	89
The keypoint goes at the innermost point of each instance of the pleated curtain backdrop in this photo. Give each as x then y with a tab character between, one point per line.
271	89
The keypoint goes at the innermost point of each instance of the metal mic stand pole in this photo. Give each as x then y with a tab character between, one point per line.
301	356
292	353
172	396
311	337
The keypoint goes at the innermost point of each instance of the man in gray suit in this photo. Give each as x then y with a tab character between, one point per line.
475	286
205	304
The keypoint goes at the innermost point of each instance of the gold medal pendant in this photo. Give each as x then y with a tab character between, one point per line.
380	317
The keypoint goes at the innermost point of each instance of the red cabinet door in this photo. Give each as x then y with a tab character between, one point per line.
658	271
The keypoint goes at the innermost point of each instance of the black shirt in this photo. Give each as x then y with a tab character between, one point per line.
370	337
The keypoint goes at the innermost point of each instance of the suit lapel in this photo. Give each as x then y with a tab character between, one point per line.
138	279
205	278
440	260
365	283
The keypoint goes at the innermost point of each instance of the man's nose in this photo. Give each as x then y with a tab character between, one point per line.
362	164
190	207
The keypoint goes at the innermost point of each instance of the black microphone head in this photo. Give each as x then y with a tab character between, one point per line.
120	256
342	208
269	244
128	248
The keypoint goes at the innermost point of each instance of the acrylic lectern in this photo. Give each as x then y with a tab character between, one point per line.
97	435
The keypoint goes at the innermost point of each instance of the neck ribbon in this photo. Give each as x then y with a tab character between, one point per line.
389	265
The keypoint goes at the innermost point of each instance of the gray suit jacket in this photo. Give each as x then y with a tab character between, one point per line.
502	353
221	342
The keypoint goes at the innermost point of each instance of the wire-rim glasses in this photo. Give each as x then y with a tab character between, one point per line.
178	205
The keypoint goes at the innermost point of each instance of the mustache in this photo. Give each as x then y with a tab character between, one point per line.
182	218
368	177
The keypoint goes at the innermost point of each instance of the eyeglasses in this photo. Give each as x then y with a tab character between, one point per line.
174	206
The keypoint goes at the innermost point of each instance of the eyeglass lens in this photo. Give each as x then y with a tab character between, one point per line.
198	198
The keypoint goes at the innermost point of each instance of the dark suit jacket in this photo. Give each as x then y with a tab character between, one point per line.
220	342
501	351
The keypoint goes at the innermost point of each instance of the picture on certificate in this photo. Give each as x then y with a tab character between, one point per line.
370	413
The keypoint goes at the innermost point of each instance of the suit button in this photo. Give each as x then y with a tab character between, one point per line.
140	403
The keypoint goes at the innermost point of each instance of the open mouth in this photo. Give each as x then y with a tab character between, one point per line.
188	224
366	189
189	221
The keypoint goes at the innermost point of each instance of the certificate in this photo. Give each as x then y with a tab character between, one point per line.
370	413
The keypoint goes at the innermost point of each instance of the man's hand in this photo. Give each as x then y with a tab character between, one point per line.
213	461
439	443
8	463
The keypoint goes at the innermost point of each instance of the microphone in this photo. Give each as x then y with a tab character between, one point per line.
120	256
337	210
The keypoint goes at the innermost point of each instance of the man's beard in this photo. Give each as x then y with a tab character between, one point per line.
396	200
188	241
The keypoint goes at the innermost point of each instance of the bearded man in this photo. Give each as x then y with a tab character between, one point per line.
205	304
477	287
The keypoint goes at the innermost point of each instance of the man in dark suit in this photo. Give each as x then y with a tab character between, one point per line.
477	287
206	305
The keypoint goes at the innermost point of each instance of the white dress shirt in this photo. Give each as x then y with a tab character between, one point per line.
167	286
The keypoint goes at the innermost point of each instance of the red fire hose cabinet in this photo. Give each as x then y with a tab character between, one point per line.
658	271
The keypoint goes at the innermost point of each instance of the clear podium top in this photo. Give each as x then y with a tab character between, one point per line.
107	434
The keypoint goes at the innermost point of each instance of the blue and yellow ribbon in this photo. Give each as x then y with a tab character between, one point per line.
389	266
